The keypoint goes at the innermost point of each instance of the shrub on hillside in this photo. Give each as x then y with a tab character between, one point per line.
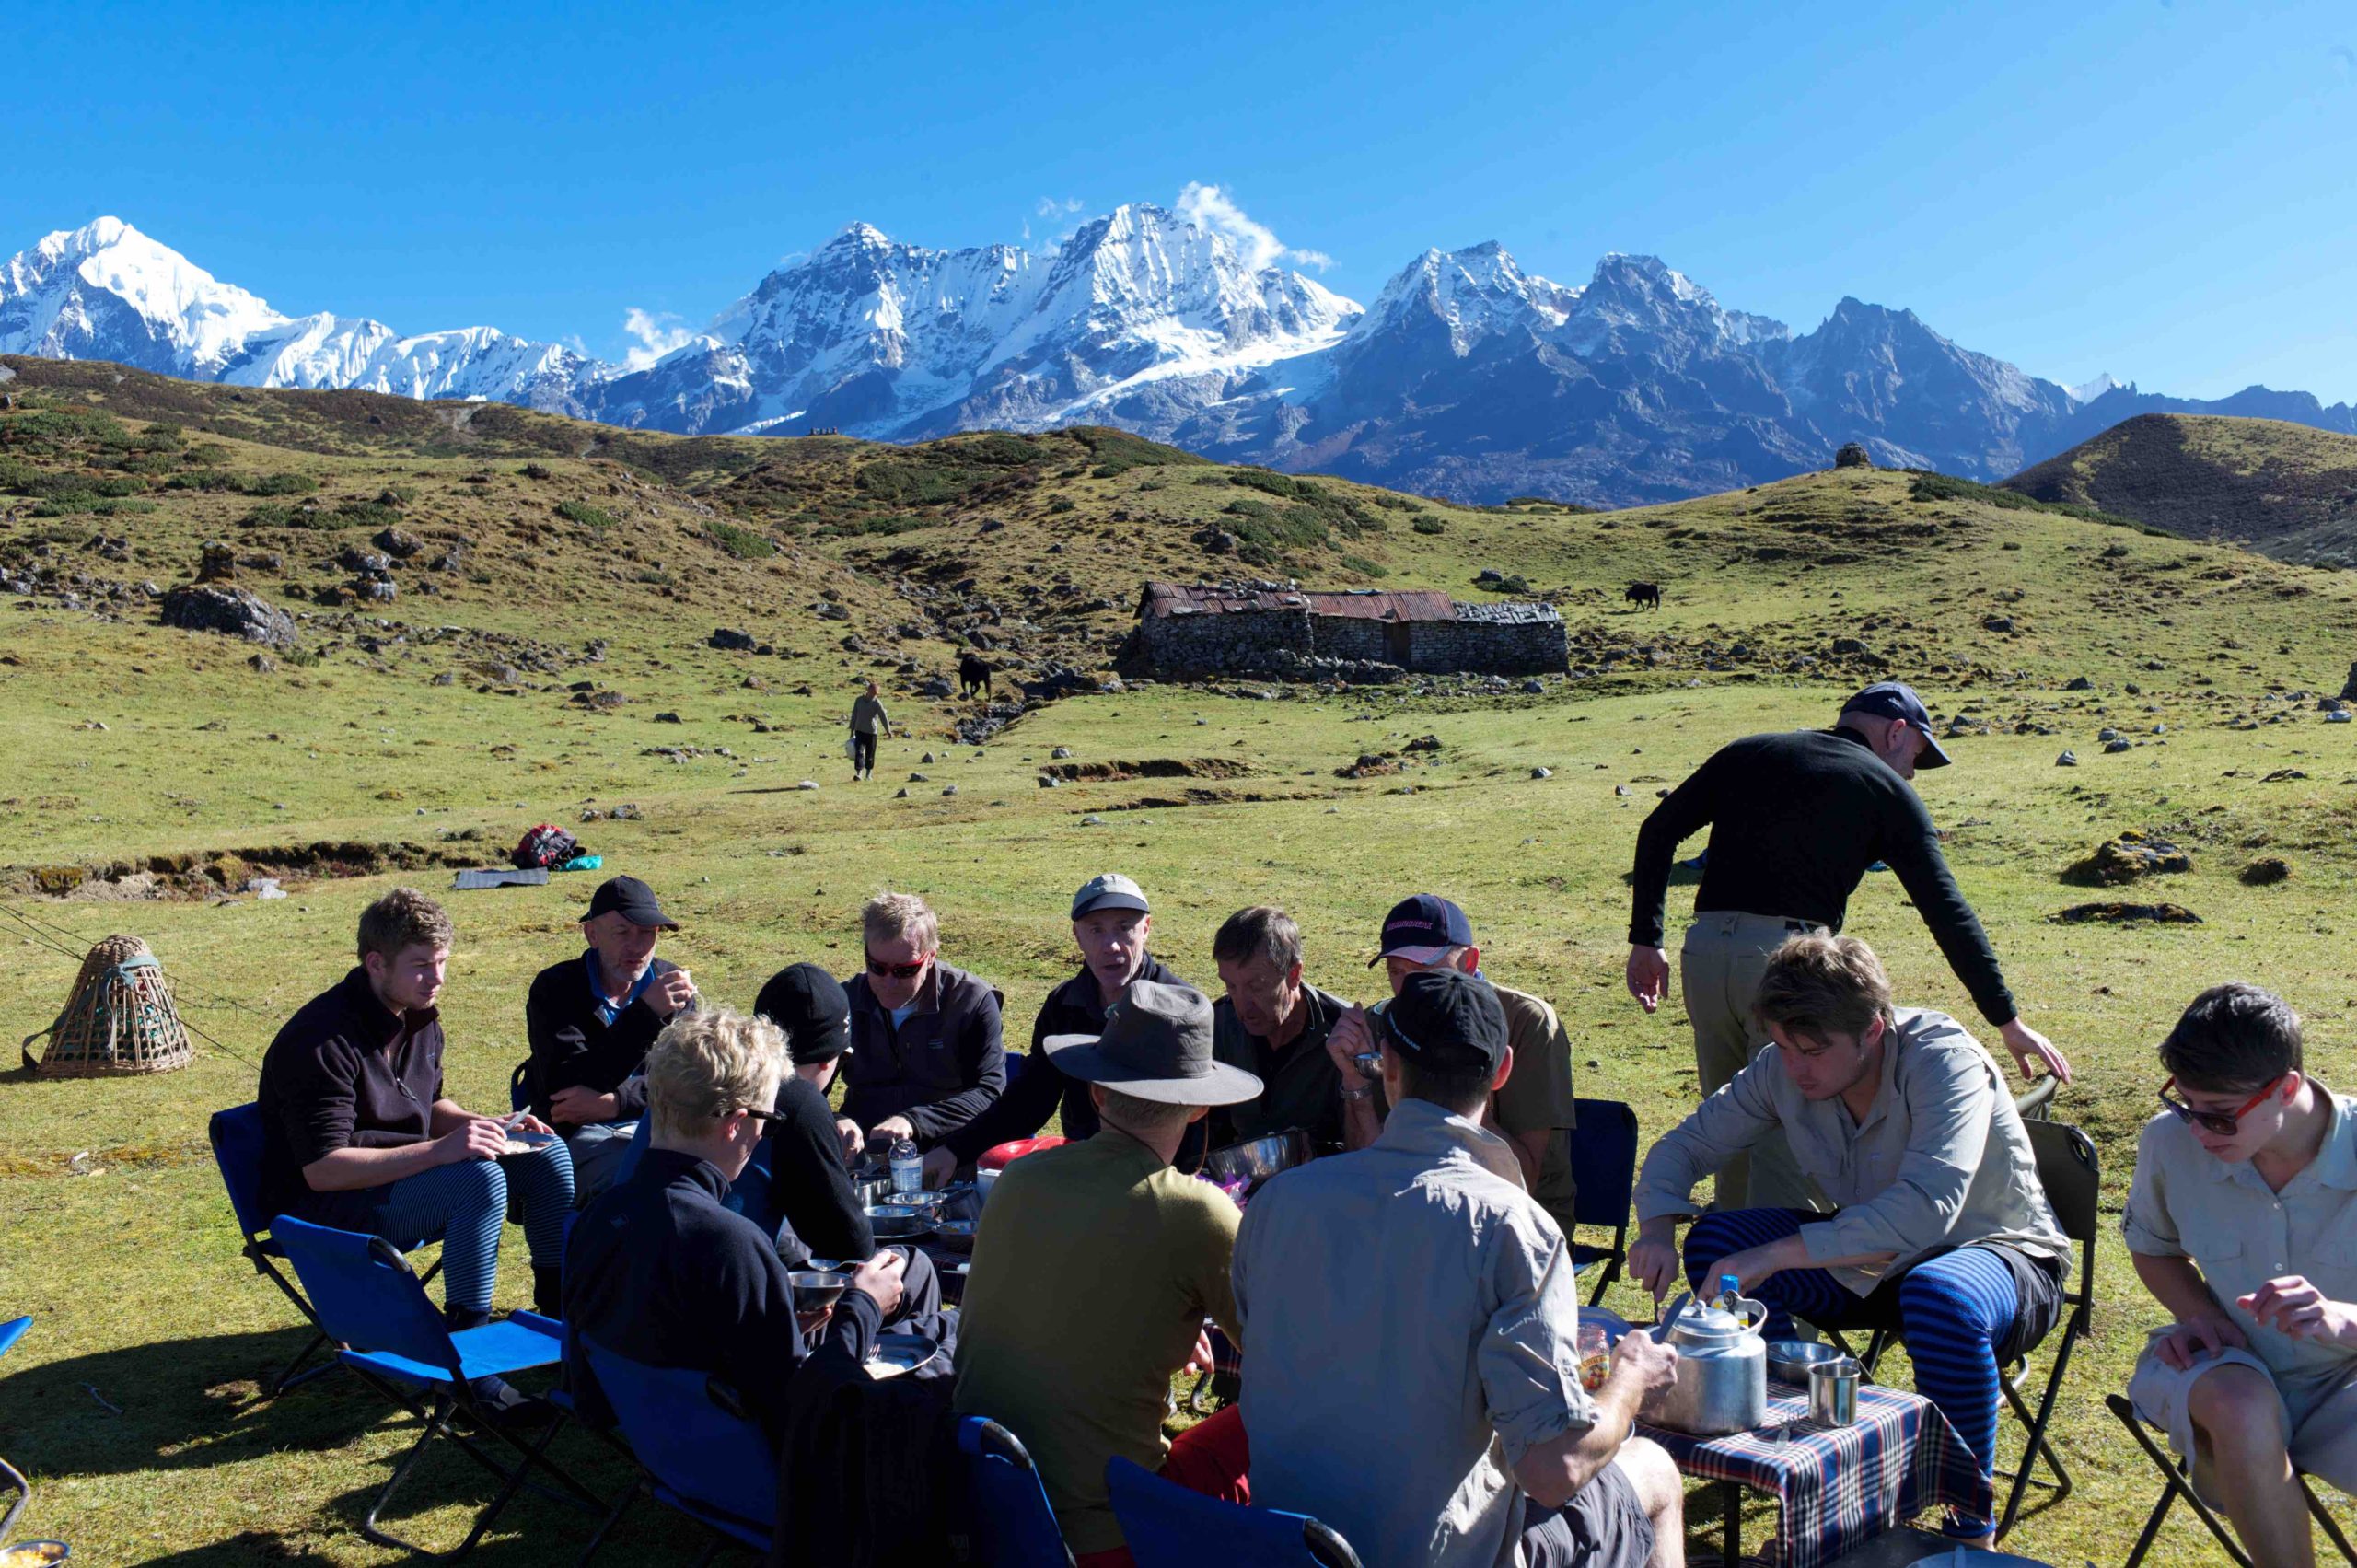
745	544
1428	525
1361	565
279	484
1062	503
595	519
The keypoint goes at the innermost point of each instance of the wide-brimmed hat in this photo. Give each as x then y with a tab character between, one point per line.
1156	1045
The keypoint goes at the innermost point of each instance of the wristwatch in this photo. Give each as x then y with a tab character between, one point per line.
1365	1091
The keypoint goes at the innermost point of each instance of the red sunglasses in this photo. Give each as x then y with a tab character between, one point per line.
898	971
2223	1124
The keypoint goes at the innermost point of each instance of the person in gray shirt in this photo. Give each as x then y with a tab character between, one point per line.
1898	1116
866	713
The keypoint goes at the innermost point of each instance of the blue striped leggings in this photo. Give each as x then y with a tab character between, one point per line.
464	1204
1953	1311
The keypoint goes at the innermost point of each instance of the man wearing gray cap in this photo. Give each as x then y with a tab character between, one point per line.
1112	923
1796	819
1094	1269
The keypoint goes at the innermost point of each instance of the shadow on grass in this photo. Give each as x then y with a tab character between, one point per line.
196	1404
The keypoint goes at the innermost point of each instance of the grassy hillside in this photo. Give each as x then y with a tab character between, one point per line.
2285	489
151	770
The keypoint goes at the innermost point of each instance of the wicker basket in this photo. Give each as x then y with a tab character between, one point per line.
119	1020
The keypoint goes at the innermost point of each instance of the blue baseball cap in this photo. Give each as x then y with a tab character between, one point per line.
1896	700
1422	927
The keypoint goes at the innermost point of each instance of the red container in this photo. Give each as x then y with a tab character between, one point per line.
1004	1155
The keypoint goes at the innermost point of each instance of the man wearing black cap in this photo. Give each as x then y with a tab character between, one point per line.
1095	1266
1796	821
1110	923
1422	1256
590	1022
796	1184
1536	1106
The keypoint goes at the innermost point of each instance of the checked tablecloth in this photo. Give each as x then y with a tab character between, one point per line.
1840	1486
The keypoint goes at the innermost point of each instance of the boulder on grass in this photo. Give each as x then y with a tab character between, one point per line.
228	611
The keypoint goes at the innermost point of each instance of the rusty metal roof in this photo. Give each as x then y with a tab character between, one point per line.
1175	599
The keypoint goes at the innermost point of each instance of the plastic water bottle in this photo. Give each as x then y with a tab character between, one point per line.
1730	1290
908	1170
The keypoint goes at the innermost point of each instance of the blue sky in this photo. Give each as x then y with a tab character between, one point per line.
2159	189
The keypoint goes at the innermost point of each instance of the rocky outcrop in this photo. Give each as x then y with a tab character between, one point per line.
229	611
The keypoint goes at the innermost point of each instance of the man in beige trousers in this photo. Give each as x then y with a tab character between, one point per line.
1796	821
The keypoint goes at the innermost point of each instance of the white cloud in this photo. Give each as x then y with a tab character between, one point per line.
1211	208
657	331
1050	207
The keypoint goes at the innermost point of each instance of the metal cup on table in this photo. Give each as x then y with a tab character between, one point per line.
1833	1391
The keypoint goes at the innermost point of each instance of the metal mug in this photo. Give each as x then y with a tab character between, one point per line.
1833	1393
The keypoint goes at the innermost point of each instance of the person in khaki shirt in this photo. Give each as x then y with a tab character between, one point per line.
2242	1221
1535	1108
1095	1266
1898	1116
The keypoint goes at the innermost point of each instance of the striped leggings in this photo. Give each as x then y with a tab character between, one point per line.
1953	1311
464	1204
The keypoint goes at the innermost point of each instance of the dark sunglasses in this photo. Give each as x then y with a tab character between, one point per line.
898	971
2226	1124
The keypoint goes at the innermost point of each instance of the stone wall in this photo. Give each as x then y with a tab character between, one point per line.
1484	639
1180	644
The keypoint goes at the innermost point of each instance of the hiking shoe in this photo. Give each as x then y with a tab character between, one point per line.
501	1403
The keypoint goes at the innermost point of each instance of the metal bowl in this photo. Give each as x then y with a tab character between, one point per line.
1789	1360
815	1288
898	1221
1257	1159
955	1235
874	1190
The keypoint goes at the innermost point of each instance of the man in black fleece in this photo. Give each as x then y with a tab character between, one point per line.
1112	923
659	1272
797	1184
589	1021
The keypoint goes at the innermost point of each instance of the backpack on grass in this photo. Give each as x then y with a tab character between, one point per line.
543	847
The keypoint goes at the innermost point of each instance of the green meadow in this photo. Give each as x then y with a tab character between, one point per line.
150	771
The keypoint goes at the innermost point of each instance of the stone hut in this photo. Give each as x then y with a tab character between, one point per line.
1277	628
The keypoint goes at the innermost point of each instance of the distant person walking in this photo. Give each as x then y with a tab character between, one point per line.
1796	820
866	714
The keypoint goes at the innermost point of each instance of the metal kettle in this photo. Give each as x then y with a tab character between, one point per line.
1722	1368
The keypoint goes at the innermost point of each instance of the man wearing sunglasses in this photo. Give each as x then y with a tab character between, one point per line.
2243	1223
925	1056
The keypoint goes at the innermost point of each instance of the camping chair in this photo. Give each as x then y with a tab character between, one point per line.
519	1087
375	1308
2177	1482
701	1455
1168	1525
237	1136
1604	1170
1014	1527
10	1476
2067	1170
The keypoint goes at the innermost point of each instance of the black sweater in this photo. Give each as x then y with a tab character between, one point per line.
940	1068
809	1185
1075	1007
572	1045
1795	821
656	1270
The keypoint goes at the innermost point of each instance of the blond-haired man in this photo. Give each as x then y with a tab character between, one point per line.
659	1272
925	1054
1941	1230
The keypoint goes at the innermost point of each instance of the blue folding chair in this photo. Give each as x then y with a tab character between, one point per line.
374	1306
1014	1527
1604	1168
703	1455
10	1476
237	1136
519	1087
1168	1525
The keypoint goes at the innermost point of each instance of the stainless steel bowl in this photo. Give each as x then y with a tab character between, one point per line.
1257	1159
874	1189
1789	1360
898	1221
815	1288
955	1235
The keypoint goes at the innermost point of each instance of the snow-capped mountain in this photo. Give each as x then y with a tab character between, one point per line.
1468	377
107	291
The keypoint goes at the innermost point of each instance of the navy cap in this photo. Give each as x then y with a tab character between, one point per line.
1447	1021
1422	927
1896	700
808	1003
631	898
